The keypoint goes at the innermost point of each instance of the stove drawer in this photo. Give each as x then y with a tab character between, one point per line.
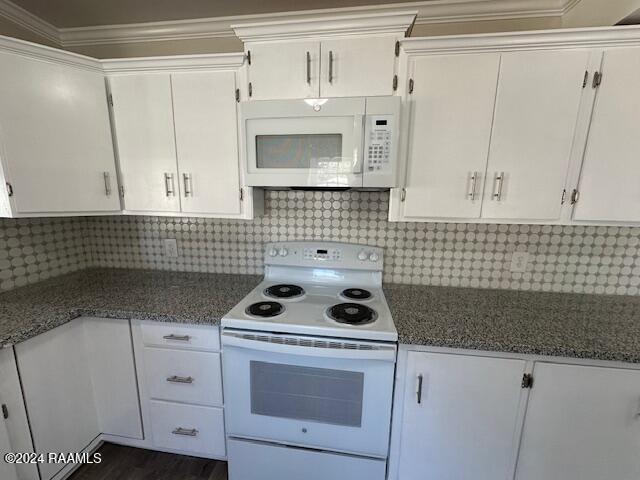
177	335
183	376
249	460
188	428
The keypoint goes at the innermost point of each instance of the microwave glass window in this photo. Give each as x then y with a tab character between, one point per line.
307	151
307	393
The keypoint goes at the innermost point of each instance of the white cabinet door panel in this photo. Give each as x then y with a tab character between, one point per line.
58	394
55	137
536	111
355	67
609	186
207	141
284	70
451	114
143	119
582	423
466	423
7	470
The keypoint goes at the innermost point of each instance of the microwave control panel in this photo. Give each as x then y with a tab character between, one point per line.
378	145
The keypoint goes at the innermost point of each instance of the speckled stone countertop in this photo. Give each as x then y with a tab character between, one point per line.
163	296
601	327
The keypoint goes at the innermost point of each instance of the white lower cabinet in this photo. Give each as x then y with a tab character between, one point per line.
180	381
582	423
7	470
263	461
461	417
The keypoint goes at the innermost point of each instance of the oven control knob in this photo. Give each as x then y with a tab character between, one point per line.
374	257
273	252
284	252
363	256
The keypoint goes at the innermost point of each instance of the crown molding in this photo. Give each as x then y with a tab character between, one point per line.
29	21
428	12
593	37
43	52
217	61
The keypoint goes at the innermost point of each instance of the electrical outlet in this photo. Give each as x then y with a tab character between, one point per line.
171	248
519	262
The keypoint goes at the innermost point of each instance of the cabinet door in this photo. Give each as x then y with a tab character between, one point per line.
57	389
143	120
450	121
55	140
462	422
609	187
284	70
207	142
7	470
355	67
582	423
536	112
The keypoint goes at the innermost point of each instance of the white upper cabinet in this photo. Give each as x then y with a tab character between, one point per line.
355	67
56	150
451	109
284	70
582	423
536	111
609	186
207	142
143	124
461	418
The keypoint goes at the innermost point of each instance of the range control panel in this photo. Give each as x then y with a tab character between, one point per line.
324	254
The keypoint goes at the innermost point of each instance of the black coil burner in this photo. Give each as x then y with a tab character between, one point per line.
352	313
356	294
284	291
265	309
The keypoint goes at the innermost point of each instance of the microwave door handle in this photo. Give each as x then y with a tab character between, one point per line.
230	340
358	139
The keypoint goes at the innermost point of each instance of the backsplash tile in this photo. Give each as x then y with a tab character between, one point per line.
562	258
35	249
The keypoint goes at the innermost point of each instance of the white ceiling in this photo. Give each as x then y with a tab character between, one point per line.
83	13
633	19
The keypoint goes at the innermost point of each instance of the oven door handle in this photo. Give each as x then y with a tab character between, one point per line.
230	339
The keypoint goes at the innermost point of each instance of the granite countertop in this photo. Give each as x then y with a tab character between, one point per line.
601	327
113	293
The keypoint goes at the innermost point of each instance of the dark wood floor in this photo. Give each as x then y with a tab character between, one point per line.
126	463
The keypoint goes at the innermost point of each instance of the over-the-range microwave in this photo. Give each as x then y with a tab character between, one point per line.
329	142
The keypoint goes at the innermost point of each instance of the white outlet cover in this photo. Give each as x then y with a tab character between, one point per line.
519	262
171	248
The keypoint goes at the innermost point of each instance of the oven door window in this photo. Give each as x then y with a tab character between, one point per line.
308	151
307	393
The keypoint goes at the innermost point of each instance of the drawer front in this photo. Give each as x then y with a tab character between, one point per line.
176	335
188	428
183	376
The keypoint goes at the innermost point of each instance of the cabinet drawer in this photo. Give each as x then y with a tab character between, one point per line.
183	376
195	337
188	428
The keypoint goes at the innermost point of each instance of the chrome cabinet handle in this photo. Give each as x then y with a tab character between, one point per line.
168	184
107	183
308	68
180	338
177	379
185	432
419	389
330	66
188	187
497	194
472	187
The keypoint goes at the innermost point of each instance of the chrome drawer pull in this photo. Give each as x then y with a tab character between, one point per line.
180	338
186	432
177	379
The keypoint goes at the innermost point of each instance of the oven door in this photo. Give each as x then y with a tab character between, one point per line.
289	144
312	392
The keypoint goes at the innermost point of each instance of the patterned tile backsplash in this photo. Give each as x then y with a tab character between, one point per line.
566	259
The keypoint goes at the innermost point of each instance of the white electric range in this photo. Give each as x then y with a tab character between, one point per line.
309	360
